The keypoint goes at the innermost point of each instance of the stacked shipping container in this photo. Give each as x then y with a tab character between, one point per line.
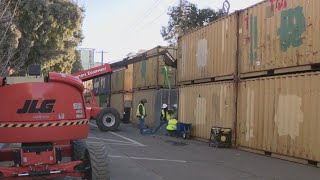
102	89
278	114
275	114
149	74
149	81
121	91
155	98
207	105
208	54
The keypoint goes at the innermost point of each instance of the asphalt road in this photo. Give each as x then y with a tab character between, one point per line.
136	157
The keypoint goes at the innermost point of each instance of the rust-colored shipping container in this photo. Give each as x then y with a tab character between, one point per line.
207	105
281	115
279	34
209	51
149	73
121	81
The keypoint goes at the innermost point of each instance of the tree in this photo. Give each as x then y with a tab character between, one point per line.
9	37
185	17
77	66
50	32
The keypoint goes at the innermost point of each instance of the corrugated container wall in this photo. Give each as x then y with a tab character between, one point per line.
207	105
88	84
117	102
155	99
122	81
279	34
104	100
281	115
102	85
209	51
149	73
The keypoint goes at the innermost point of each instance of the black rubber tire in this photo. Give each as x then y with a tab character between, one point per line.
104	112
78	149
97	158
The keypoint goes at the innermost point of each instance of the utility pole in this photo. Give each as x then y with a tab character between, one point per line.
100	83
102	52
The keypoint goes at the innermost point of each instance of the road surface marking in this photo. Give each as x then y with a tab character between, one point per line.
93	125
123	137
150	159
109	140
120	144
128	139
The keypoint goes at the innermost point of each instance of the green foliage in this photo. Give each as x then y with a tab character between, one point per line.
185	17
77	66
50	32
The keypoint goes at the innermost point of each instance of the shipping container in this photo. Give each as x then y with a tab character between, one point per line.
102	85
88	84
104	100
209	51
127	100
279	34
155	99
97	98
150	73
281	115
117	102
122	81
207	105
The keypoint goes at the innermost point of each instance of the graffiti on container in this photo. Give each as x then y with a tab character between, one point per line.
143	69
292	26
279	4
252	39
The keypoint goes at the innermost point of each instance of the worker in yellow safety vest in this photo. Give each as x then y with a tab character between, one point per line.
172	126
165	116
141	114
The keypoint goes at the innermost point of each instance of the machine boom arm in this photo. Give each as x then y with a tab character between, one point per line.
120	65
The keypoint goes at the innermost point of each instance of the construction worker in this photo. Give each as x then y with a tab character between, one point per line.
165	116
172	126
141	114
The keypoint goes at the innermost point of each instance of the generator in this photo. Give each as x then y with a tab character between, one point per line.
220	137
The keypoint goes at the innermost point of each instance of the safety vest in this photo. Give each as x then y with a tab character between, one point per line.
172	125
143	110
163	114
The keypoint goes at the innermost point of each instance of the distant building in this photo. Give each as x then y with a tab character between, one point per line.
87	57
95	64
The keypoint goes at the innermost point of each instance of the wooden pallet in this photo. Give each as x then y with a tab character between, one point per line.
207	80
280	156
273	72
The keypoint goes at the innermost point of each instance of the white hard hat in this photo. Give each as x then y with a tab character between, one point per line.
164	106
175	106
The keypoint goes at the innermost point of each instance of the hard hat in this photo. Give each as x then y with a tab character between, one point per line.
175	106
164	106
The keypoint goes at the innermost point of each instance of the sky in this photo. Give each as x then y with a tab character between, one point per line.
120	27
